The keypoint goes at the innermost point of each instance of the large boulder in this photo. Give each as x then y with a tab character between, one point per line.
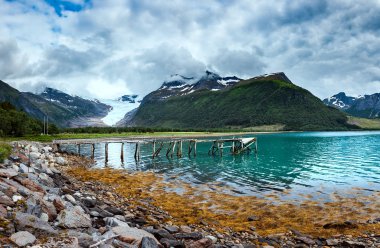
23	238
74	218
8	173
33	224
29	184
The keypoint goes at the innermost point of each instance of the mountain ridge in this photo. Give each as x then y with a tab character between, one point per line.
48	104
366	106
262	100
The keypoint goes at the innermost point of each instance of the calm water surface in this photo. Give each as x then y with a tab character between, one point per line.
316	163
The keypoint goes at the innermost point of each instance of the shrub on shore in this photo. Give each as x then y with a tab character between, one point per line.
5	151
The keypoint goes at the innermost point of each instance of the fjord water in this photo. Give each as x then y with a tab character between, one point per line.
313	163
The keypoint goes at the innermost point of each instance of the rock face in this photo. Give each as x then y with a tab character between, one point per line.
74	218
23	238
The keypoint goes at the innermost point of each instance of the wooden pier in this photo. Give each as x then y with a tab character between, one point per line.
172	146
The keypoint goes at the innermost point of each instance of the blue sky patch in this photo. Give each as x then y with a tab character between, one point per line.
60	6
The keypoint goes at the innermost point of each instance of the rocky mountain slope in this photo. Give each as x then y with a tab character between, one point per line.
211	103
367	106
62	109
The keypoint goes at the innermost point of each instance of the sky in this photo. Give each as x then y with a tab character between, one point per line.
105	49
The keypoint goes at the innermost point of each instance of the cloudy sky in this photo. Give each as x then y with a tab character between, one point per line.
106	48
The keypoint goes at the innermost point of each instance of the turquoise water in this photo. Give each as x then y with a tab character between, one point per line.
315	163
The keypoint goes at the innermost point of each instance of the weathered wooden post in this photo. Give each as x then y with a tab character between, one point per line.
58	147
78	145
137	152
106	151
179	149
221	149
173	149
122	152
154	149
255	145
195	148
92	151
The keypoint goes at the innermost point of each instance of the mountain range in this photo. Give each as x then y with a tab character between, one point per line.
207	101
62	109
212	101
367	106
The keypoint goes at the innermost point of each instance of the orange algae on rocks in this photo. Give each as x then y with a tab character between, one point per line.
226	212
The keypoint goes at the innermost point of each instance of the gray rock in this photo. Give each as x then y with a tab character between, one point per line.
34	156
26	169
160	233
74	218
13	158
90	203
70	198
8	173
172	243
114	210
15	167
28	222
33	149
60	160
306	240
112	222
6	200
23	238
172	229
44	217
331	242
193	235
47	149
213	239
84	239
132	234
147	242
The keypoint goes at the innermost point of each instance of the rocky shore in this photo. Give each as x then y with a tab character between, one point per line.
41	206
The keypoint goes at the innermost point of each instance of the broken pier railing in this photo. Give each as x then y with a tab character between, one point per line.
171	147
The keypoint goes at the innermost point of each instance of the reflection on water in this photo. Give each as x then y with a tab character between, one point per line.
306	162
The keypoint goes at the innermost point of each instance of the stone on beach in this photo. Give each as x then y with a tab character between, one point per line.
28	222
74	218
9	173
23	238
131	234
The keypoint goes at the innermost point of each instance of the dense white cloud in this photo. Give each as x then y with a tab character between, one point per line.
108	48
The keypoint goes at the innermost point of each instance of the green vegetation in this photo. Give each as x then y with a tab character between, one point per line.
370	124
250	103
17	123
5	151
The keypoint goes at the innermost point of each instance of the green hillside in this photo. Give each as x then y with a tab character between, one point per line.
17	123
253	102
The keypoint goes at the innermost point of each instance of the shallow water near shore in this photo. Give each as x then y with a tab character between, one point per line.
311	165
